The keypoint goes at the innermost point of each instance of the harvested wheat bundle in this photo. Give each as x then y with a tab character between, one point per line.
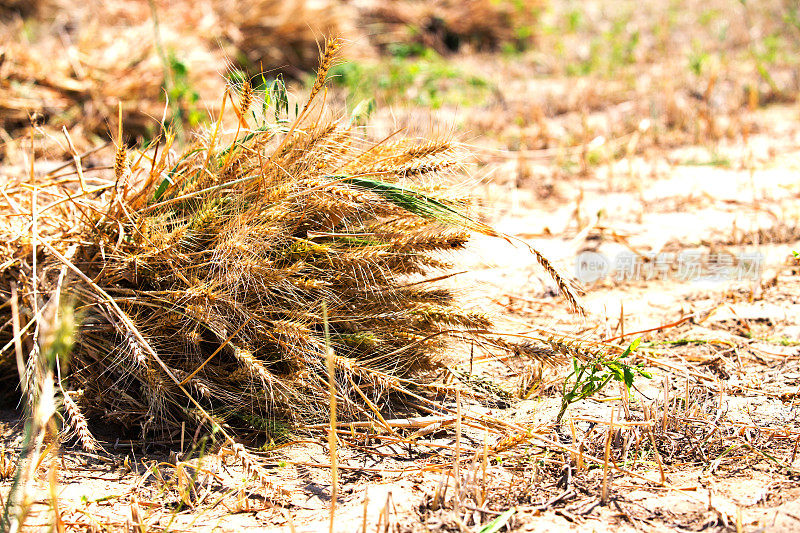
205	284
447	25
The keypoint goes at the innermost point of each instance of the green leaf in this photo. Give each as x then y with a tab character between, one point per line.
267	98
162	188
415	202
628	377
280	97
632	347
362	111
497	523
167	181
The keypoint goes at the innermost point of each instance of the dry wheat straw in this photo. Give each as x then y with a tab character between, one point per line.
246	99
79	424
202	279
332	46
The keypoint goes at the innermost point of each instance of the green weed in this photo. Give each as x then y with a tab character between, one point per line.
184	98
428	80
574	20
588	378
714	160
697	59
609	52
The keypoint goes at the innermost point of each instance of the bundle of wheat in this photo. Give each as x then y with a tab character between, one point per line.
216	285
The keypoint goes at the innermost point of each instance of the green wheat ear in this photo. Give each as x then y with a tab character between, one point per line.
417	203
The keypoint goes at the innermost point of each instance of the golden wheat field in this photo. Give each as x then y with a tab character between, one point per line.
399	265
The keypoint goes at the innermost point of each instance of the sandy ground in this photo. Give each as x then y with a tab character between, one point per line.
736	348
694	238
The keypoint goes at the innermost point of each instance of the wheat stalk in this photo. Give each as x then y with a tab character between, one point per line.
79	424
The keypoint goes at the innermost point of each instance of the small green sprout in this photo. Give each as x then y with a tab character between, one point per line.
587	379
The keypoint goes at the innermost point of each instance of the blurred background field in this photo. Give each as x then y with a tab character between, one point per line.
523	75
